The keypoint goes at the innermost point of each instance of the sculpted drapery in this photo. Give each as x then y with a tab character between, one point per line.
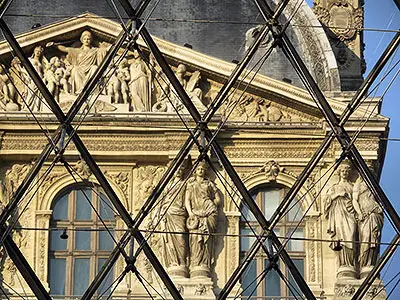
84	60
202	200
342	224
370	217
139	84
354	217
175	240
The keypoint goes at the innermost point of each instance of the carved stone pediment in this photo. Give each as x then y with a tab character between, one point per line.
137	84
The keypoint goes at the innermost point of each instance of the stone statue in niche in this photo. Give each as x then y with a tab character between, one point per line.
340	212
202	200
139	84
83	61
370	224
175	245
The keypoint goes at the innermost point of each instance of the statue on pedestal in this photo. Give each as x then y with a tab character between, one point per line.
202	201
370	224
175	240
342	223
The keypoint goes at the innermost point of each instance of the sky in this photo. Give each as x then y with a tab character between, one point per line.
383	14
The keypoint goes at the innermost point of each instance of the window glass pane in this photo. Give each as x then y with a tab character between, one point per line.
57	243
246	214
299	263
83	208
271	201
105	287
60	209
81	275
296	245
248	280
295	213
106	212
57	276
272	282
82	239
246	241
105	240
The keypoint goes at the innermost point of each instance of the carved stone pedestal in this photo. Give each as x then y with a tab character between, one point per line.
345	289
195	288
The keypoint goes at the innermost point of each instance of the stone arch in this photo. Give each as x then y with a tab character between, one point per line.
65	180
286	180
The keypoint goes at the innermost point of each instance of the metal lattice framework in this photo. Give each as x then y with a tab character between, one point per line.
205	140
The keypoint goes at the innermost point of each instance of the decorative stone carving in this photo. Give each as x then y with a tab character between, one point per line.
255	109
118	87
201	289
345	291
271	170
370	224
139	84
121	179
82	169
174	242
83	60
7	91
202	201
168	101
342	224
342	19
147	178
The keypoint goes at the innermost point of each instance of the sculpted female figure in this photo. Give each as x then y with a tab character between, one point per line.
139	84
342	224
39	62
370	223
84	60
202	201
175	245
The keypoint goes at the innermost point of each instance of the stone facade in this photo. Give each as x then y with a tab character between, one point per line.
134	133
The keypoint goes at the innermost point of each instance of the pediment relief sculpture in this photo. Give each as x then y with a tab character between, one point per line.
134	83
256	109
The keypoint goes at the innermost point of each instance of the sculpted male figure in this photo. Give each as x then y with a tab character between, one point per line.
370	223
342	224
202	200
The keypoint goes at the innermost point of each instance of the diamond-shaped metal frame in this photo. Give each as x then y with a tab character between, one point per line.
128	34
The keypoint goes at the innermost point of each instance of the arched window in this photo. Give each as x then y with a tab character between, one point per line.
268	199
74	262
